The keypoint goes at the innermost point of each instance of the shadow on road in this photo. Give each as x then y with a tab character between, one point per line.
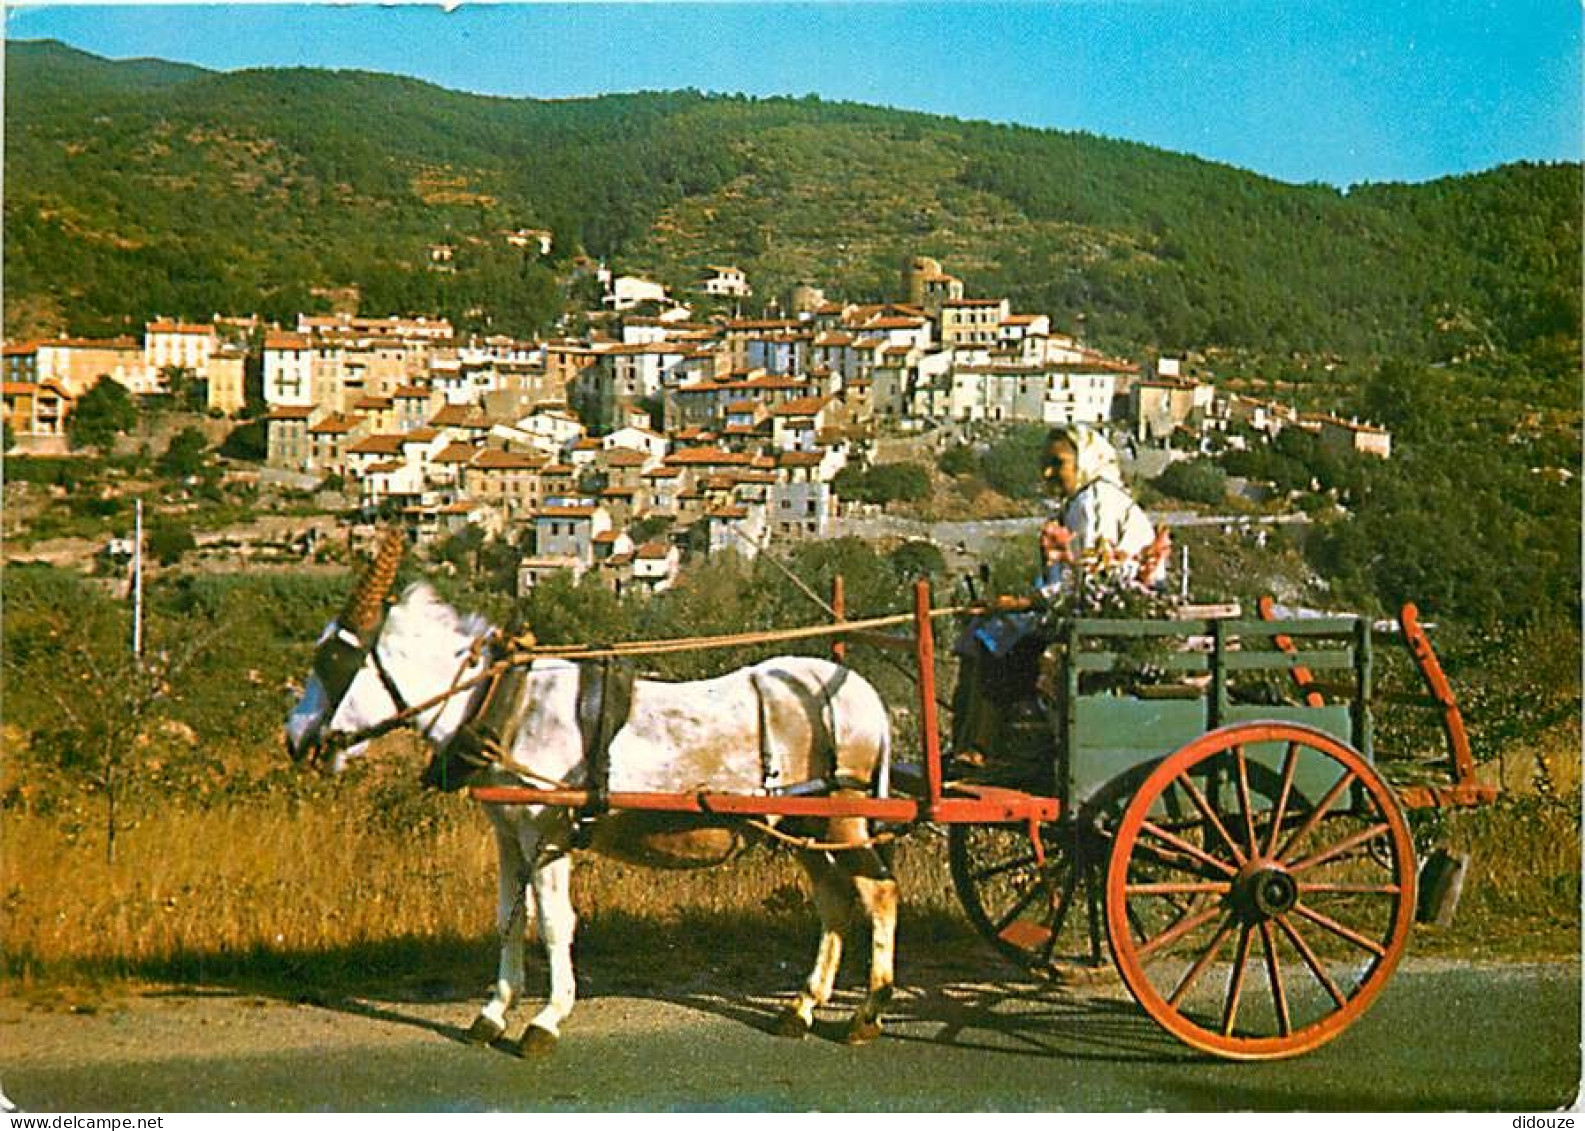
741	968
1016	1017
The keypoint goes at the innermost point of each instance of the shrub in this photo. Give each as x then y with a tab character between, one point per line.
1194	481
168	541
1012	464
885	483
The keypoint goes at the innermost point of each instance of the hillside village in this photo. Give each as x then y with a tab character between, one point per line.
652	435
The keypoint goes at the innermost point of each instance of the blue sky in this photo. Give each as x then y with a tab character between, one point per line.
1301	90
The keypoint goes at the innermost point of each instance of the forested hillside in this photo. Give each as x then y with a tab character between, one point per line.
136	188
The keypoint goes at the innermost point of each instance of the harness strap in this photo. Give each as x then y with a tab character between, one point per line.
605	696
386	680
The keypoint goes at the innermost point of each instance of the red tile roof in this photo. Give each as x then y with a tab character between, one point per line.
385	445
801	406
456	452
494	459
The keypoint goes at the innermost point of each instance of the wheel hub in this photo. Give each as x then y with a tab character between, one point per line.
1263	891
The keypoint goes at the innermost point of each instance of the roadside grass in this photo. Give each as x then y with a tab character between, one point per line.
298	899
314	899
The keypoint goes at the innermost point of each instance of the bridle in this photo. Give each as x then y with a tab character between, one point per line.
337	662
342	655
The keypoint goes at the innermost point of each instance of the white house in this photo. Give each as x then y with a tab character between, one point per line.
184	345
726	282
651	443
656	566
627	291
559	428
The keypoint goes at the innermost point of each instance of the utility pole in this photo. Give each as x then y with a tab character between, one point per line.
137	584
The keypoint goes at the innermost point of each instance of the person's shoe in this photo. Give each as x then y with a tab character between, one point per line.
967	763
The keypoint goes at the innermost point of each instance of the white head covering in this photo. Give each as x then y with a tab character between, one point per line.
1096	457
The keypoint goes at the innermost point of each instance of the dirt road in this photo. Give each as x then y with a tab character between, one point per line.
1444	1036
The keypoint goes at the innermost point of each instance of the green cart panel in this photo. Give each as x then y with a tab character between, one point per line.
1119	737
1118	733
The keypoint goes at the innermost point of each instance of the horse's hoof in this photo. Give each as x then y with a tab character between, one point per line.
862	1032
792	1024
484	1031
536	1042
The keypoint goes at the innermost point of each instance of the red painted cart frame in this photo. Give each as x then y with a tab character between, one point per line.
977	804
983	804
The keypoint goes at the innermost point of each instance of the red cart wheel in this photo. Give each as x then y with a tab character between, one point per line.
1260	891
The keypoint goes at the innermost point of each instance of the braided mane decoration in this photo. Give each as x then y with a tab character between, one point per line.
362	610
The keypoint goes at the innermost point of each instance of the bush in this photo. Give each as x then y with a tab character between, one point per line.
885	483
1194	481
184	455
168	541
1012	465
960	459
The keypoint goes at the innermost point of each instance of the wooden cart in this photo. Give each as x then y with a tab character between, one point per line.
1250	869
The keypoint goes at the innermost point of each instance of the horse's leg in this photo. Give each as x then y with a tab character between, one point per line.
833	899
859	875
511	916
876	889
552	882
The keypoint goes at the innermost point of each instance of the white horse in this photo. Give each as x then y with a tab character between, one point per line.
791	719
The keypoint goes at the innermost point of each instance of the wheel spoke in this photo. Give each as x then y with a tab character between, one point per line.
1315	816
1362	837
1172	934
1059	914
1340	930
1354	889
1017	909
1279	993
1197	887
1243	798
1311	960
1204	961
1008	866
1235	990
1290	763
1185	847
1209	813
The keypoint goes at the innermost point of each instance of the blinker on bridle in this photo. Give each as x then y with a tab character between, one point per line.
354	640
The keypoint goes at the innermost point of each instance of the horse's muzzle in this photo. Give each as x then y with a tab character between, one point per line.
310	751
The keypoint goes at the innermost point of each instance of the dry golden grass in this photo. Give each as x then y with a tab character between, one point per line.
313	897
334	895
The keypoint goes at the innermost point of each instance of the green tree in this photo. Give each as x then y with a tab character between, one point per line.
248	441
169	540
917	560
1194	481
184	456
1012	464
101	414
884	483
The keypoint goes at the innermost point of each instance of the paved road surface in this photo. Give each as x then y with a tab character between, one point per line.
1443	1037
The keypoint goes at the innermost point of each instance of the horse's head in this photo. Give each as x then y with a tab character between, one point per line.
345	689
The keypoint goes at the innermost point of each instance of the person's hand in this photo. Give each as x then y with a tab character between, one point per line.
1056	543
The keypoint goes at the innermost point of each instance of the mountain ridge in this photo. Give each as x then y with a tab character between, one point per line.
155	187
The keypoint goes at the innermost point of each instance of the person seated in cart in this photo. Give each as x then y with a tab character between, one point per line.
1096	531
